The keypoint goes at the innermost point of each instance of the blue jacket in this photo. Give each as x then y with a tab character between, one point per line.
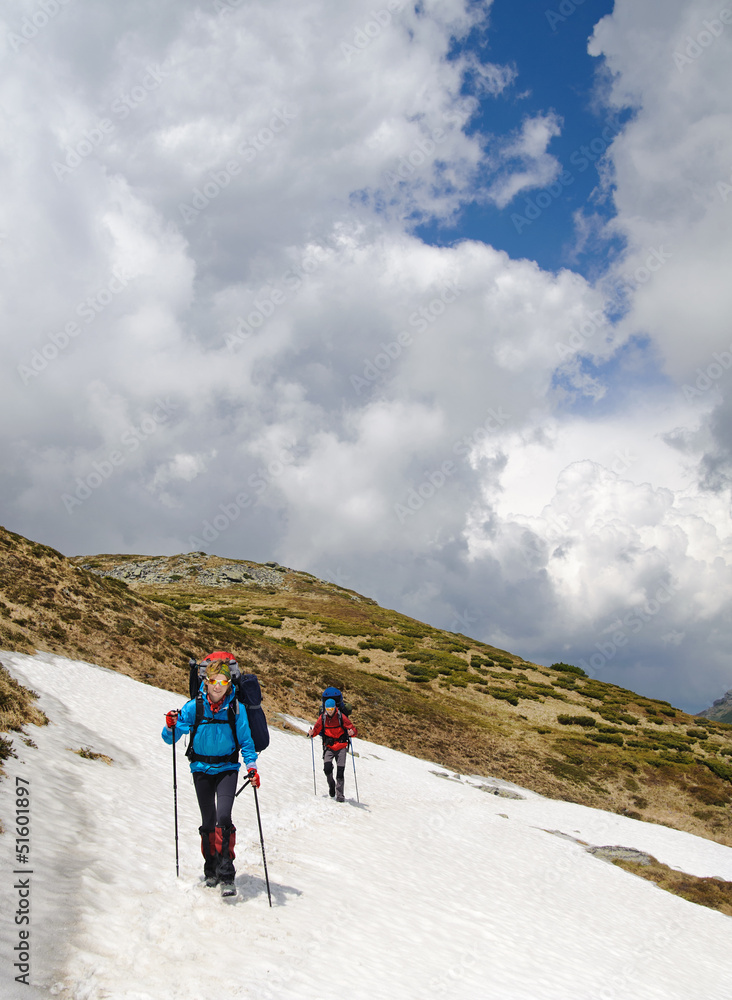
215	740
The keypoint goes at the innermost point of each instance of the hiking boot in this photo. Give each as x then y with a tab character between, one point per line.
331	788
225	870
340	797
211	857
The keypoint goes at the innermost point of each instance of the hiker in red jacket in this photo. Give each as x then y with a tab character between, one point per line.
334	728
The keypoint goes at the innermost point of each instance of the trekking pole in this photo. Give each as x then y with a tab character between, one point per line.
261	840
315	788
261	837
175	805
353	761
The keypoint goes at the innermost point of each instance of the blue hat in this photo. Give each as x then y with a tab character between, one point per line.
330	703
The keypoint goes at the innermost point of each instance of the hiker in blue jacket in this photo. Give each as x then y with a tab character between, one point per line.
213	751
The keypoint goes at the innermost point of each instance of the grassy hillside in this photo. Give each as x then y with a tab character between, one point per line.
439	695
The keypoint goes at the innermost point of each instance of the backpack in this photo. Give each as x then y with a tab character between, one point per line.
343	707
248	694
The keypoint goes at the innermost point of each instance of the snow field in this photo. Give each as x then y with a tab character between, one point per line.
428	888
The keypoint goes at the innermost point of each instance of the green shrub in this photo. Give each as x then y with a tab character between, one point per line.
479	661
501	695
723	771
336	627
387	645
418	670
576	720
266	622
527	694
697	734
612	716
568	668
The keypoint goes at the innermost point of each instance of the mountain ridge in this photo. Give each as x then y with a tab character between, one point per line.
439	695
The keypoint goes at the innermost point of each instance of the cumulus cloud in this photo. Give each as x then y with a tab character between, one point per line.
220	331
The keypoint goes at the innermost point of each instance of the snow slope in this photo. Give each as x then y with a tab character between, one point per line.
428	888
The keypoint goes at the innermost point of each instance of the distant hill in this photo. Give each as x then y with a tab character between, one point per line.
720	710
438	695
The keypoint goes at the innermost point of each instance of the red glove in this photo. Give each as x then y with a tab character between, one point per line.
253	776
171	718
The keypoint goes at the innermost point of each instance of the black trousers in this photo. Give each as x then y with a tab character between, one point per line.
215	793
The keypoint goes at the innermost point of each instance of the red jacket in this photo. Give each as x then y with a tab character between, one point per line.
336	736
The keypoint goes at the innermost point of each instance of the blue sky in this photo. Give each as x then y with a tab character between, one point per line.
554	74
429	300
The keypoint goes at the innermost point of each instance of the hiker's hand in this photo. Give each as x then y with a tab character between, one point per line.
310	731
171	718
351	732
253	776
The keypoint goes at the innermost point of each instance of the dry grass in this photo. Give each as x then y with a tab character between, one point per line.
714	893
88	754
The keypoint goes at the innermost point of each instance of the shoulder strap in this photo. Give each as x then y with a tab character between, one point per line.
196	724
233	712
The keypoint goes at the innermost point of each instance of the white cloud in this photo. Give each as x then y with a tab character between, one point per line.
523	162
257	191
